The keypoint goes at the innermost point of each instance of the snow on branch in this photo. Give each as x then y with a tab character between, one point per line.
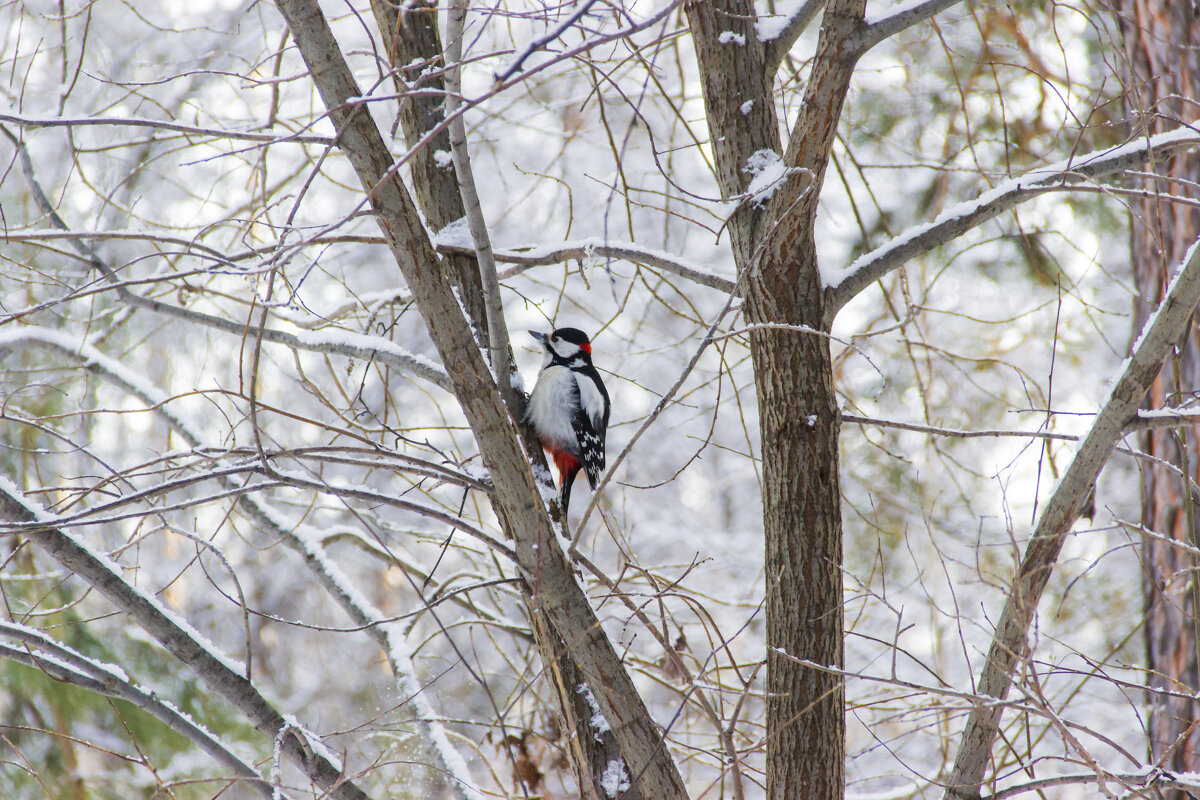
139	122
580	249
844	284
1010	643
780	31
64	663
898	17
365	347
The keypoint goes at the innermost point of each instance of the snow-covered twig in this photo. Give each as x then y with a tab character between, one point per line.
64	663
897	18
778	35
843	285
581	249
177	127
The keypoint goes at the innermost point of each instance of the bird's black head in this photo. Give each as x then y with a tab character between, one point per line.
566	343
573	336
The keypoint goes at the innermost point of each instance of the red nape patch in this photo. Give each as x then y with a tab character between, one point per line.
586	347
567	464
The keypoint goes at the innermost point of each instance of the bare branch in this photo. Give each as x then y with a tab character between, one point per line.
537	44
843	285
594	248
899	17
957	433
135	122
1009	644
778	41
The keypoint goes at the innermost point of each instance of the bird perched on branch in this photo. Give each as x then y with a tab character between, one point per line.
569	408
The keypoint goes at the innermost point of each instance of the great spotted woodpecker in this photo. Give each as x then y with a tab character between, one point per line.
569	408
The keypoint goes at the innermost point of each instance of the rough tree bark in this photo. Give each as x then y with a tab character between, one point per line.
414	43
1161	67
775	251
413	46
549	580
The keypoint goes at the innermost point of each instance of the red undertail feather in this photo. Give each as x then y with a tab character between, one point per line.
567	464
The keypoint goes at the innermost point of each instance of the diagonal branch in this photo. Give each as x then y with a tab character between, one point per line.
180	639
1009	643
65	663
844	284
901	16
554	594
777	41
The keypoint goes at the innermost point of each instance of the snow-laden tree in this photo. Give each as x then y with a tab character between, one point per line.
272	521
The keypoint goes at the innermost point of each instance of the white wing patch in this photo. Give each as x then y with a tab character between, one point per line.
591	400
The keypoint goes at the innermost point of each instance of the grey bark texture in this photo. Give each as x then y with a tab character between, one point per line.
775	250
549	579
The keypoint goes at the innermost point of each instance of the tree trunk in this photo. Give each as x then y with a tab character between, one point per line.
1161	72
414	43
550	583
775	251
413	46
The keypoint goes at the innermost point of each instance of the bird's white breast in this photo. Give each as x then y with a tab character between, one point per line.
554	400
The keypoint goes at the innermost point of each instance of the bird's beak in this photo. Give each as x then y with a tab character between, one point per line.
541	337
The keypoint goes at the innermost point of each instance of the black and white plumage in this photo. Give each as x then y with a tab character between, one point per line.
569	408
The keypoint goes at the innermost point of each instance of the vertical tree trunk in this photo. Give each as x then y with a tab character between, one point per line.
775	249
414	45
1162	77
798	420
